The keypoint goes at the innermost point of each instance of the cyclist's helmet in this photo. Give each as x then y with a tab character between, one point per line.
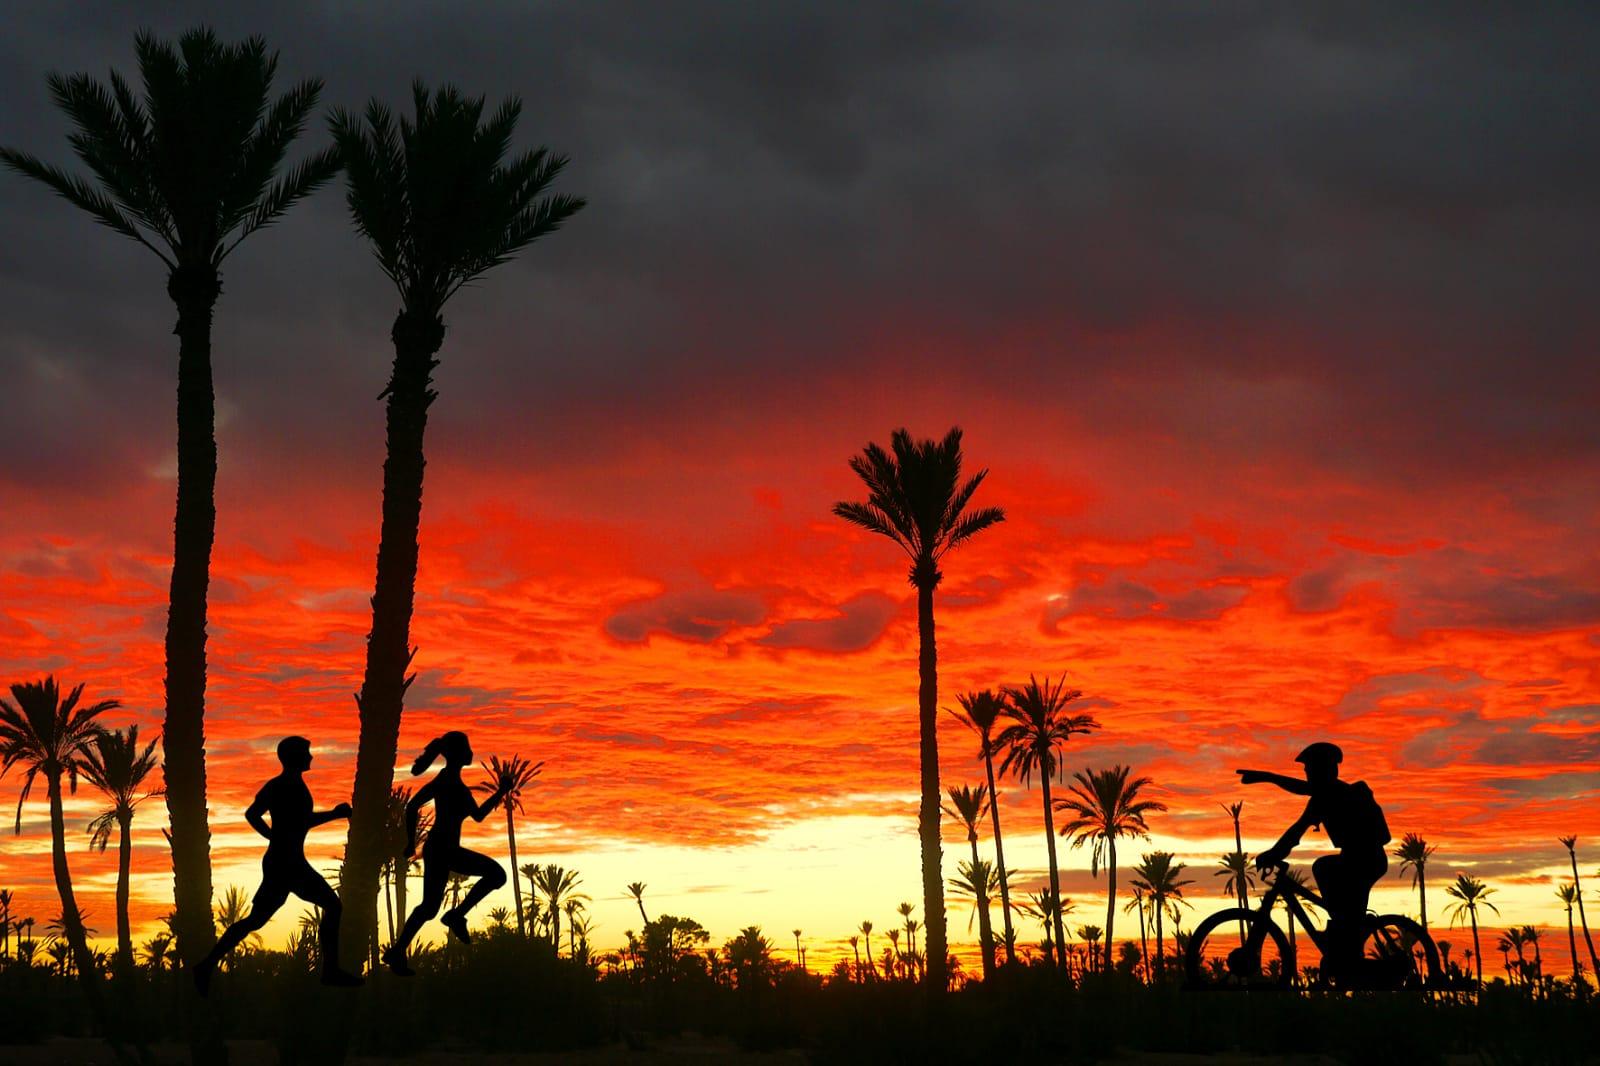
1321	753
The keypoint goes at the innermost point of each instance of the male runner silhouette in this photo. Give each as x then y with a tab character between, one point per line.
1355	825
284	869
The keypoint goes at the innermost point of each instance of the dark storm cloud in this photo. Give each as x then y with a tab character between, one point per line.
1392	205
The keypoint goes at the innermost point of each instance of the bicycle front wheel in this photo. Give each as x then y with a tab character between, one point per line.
1216	958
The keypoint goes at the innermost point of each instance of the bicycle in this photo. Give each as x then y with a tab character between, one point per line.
1397	954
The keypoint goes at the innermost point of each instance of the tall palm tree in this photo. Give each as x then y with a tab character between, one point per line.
1530	938
866	931
1571	844
1240	884
917	499
1471	894
1138	903
1568	895
855	946
558	885
1160	879
189	170
636	893
50	735
968	806
1039	726
1413	851
1105	805
508	778
394	843
799	955
980	711
115	765
441	205
1235	866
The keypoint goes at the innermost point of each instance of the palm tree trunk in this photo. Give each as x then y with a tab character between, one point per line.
388	901
1594	962
1572	945
1144	944
928	815
555	927
124	932
1161	947
1000	857
194	290
1422	893
1477	949
1055	876
1111	894
516	884
417	338
985	929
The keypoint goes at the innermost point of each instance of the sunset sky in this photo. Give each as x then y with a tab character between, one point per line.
1275	331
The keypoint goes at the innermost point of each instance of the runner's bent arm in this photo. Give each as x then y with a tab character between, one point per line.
253	813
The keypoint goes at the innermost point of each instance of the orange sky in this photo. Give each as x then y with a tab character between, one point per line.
720	676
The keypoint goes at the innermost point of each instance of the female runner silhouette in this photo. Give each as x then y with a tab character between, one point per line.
442	853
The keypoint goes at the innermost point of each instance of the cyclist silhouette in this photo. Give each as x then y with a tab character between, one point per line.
1355	825
442	853
284	869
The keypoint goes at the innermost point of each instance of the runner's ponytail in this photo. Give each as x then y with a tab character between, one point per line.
429	754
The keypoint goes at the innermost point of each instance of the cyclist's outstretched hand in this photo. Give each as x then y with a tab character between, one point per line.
1252	777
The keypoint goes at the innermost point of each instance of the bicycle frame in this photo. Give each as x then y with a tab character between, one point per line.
1291	895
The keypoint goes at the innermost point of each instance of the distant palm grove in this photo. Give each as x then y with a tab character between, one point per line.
194	161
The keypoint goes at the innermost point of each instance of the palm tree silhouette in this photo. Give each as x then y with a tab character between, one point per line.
189	171
1530	937
1090	935
7	897
1241	884
1039	726
1235	866
1105	805
968	806
440	205
979	712
1047	906
866	931
49	736
636	893
233	908
509	777
799	956
558	886
1568	895
917	499
1413	851
1158	876
855	946
1571	844
1471	894
976	882
115	765
1138	902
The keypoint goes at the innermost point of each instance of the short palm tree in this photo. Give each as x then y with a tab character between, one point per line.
7	898
50	736
1039	726
1571	844
1047	907
115	765
1090	935
968	806
636	893
189	170
866	931
1104	805
559	886
1159	877
1470	894
917	498
1568	895
441	205
980	712
1414	852
508	778
235	904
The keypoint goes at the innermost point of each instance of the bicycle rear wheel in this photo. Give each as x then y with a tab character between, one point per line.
1400	954
1216	960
